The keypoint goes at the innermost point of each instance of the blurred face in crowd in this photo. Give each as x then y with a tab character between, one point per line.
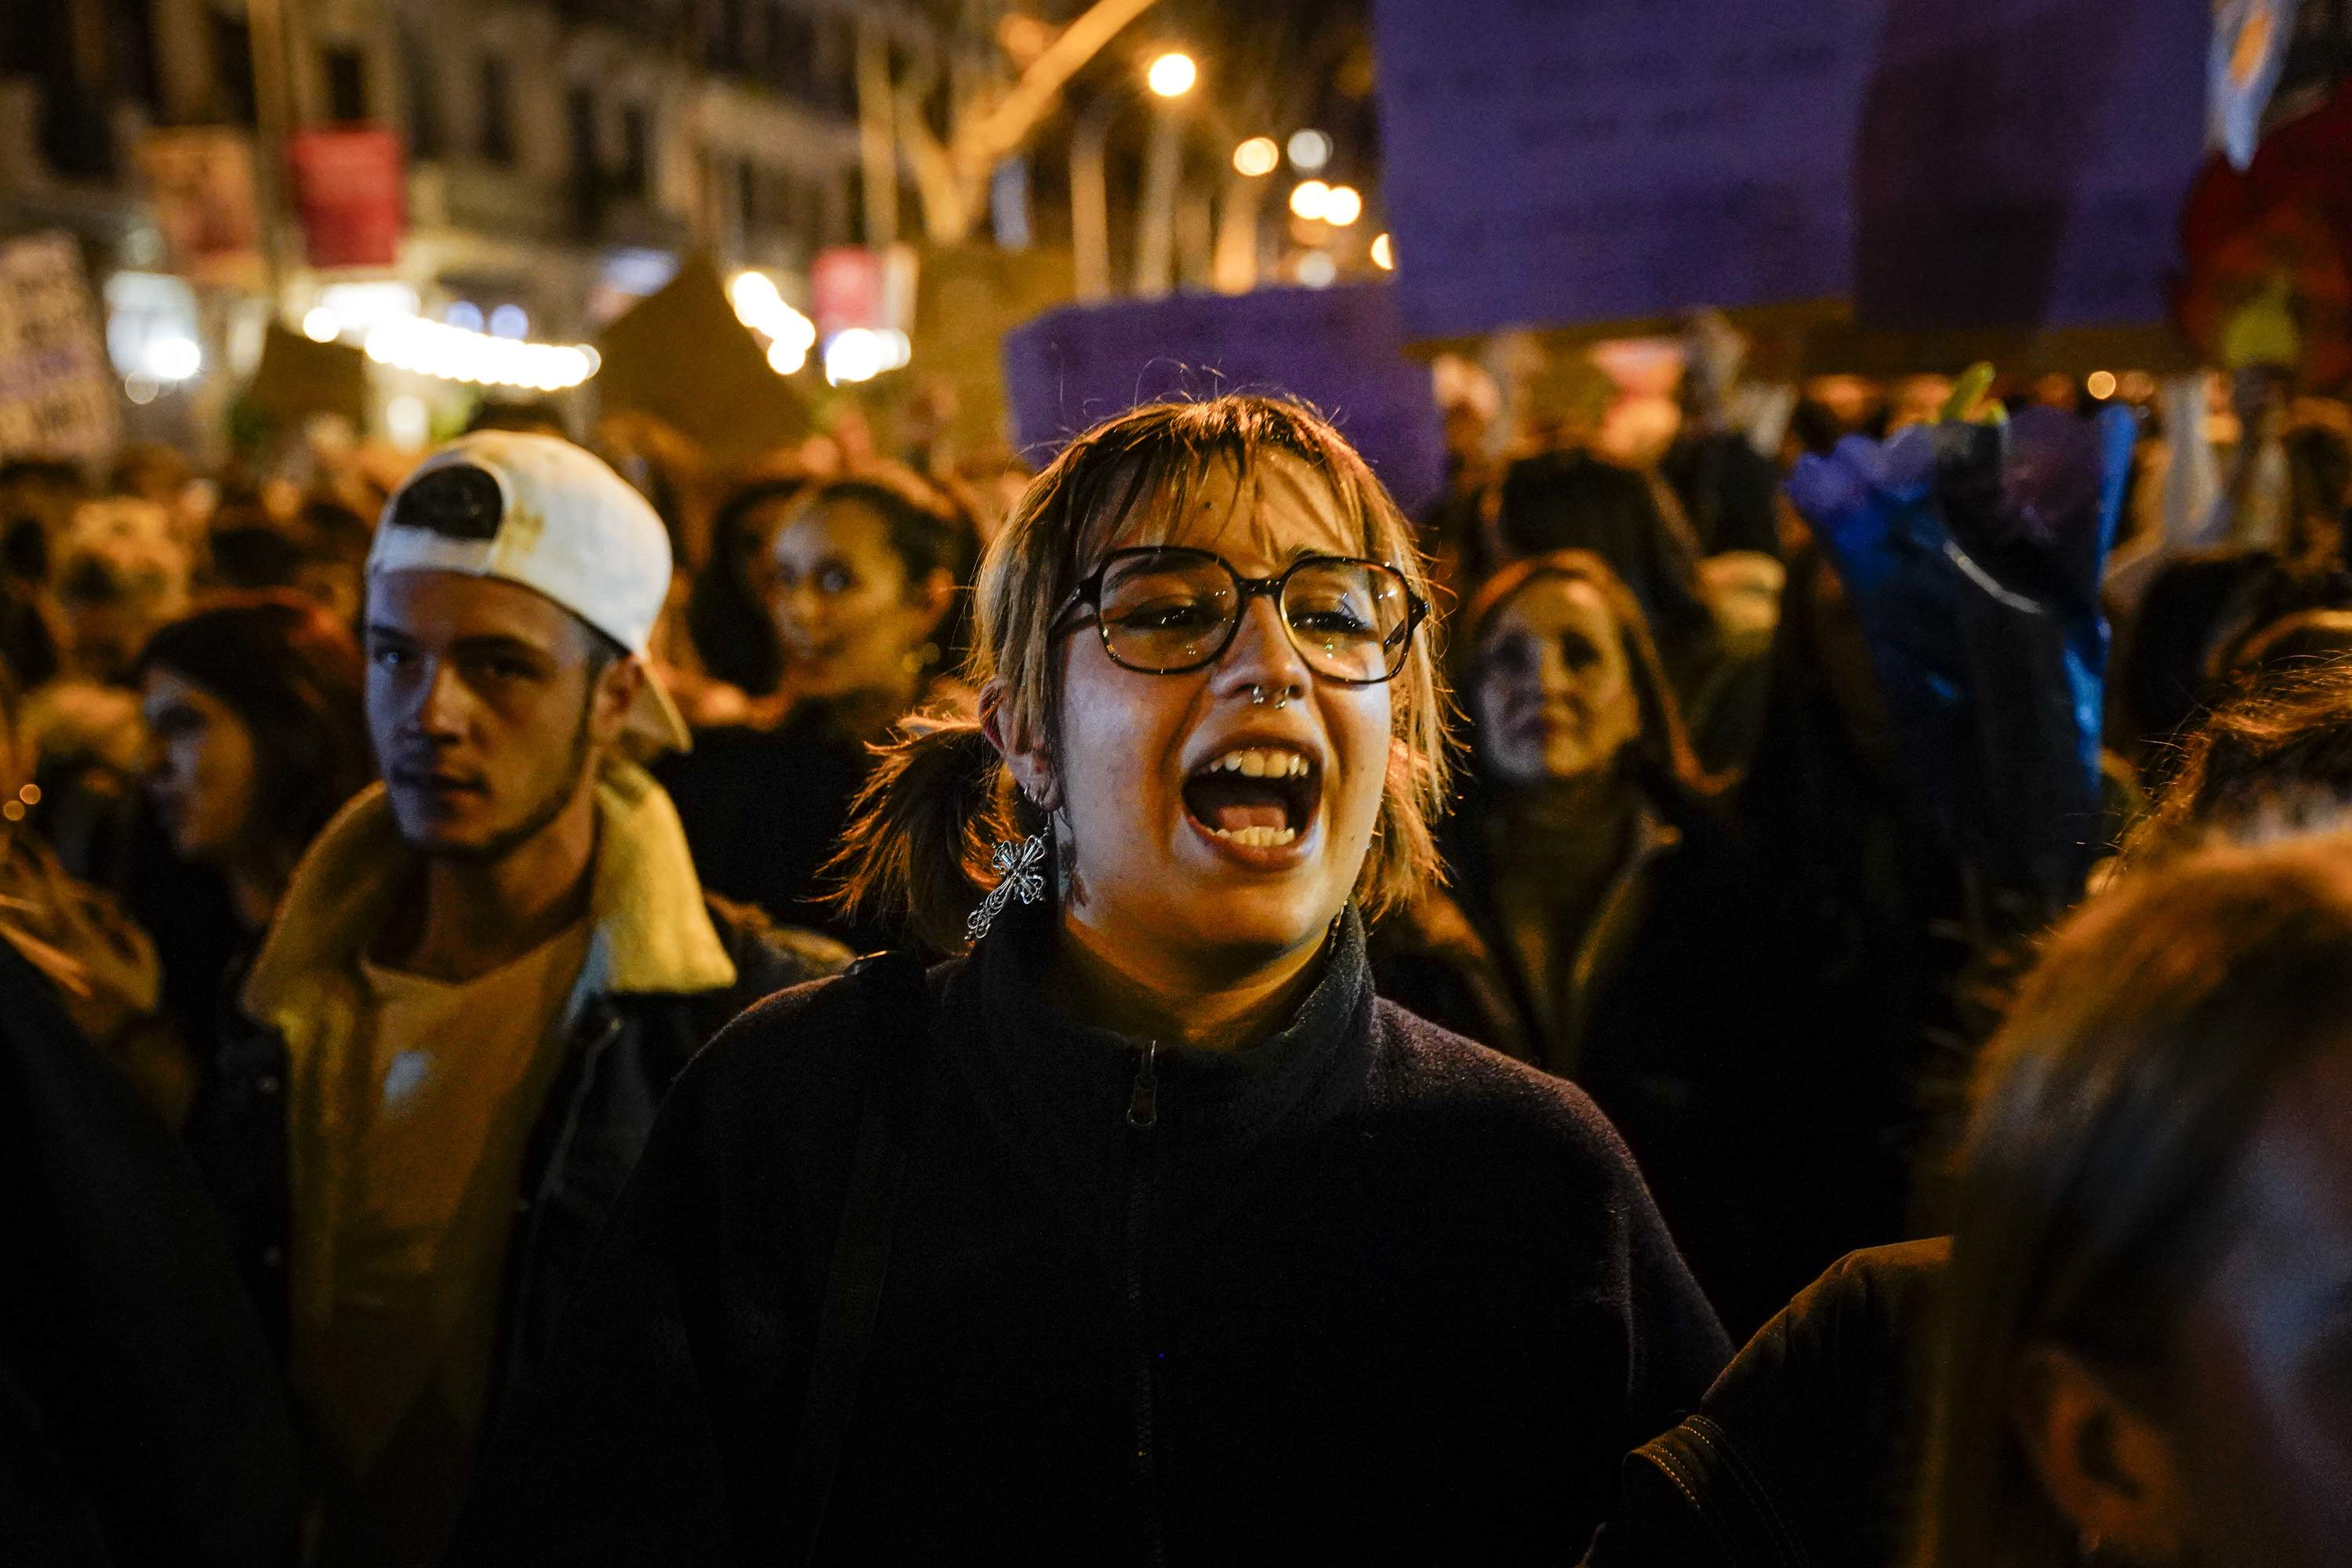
757	536
202	771
850	618
485	710
2238	1452
1554	694
2263	1368
1199	819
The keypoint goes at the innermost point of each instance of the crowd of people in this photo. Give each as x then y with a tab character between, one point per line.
1343	1076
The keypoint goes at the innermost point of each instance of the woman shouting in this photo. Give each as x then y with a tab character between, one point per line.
1145	1231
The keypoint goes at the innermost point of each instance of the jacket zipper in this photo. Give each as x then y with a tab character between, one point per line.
1143	1116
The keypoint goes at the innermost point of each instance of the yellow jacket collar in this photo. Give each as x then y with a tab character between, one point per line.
653	931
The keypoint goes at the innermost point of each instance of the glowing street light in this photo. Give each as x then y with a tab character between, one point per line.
1256	156
1383	253
759	306
1172	74
1309	151
1342	206
1310	199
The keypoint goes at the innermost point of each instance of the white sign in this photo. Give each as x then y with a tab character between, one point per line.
57	394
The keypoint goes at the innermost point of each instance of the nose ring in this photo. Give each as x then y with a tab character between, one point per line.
1258	696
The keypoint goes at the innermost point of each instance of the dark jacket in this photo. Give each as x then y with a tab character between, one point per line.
764	810
1364	1291
667	968
1730	490
1666	1020
141	1418
1804	1454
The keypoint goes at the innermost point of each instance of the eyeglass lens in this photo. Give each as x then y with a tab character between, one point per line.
1171	611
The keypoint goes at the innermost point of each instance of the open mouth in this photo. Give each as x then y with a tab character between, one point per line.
432	783
1257	797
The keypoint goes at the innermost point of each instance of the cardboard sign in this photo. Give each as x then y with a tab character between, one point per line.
681	356
2014	163
56	391
350	188
970	298
298	378
1341	349
200	181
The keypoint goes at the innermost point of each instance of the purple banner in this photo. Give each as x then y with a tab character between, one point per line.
1341	349
2024	162
2013	162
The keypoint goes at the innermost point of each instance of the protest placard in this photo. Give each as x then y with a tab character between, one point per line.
200	181
57	390
351	188
1341	349
680	356
2011	164
1549	164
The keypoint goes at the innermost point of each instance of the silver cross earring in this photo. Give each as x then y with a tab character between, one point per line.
1018	859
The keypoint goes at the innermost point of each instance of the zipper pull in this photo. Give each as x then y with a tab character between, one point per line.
1144	1105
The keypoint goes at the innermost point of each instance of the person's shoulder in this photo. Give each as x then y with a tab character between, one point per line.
801	1028
769	956
1892	1284
1432	1073
1856	1327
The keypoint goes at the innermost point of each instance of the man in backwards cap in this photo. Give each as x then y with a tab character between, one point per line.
484	976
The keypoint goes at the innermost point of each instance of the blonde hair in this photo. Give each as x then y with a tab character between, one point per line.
916	851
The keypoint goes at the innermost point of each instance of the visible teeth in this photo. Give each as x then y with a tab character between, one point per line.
1258	763
1258	837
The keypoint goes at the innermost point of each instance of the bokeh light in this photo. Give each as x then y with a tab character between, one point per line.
1172	74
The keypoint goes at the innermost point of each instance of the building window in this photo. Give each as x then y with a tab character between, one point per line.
498	112
346	72
579	112
637	152
233	68
747	198
421	76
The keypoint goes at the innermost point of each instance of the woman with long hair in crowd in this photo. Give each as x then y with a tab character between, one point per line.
727	615
863	576
253	707
1593	924
1146	1230
141	1418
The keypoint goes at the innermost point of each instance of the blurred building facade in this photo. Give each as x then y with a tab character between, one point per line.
561	155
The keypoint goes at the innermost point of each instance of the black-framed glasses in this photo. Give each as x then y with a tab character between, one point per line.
1168	609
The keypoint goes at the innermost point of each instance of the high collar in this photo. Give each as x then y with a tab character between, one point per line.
1036	1058
653	933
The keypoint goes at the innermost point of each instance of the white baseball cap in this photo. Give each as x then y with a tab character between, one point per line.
541	513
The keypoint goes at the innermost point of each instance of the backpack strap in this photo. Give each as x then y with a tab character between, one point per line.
895	1007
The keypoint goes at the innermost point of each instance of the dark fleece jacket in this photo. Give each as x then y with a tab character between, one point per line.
1364	1291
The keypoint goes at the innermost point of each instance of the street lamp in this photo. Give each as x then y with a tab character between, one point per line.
1172	74
1169	75
1256	157
1342	204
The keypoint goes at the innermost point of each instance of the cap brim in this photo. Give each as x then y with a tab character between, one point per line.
653	717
